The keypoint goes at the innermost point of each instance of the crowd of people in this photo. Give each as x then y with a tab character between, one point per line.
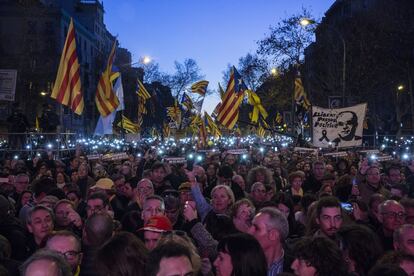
259	212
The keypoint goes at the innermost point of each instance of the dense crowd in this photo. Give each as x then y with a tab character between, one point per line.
258	212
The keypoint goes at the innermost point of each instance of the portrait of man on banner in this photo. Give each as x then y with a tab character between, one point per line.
338	127
347	123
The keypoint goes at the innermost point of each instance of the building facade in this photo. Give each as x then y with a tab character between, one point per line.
32	35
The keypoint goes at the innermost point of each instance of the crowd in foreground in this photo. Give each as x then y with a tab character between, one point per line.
266	213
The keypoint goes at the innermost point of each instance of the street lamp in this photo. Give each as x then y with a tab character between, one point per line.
306	22
146	59
400	88
274	72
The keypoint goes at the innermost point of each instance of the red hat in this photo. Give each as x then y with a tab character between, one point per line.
158	224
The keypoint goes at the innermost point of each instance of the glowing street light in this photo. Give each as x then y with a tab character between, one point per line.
146	60
274	71
306	21
400	87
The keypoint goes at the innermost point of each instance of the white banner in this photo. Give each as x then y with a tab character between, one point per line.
175	160
237	151
339	127
7	84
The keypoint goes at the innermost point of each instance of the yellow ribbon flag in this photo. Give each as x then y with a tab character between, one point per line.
174	112
128	125
261	132
166	130
212	126
258	109
37	124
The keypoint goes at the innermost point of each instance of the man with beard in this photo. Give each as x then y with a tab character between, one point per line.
328	217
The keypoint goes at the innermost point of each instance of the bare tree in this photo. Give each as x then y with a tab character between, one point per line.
254	70
186	73
152	73
287	40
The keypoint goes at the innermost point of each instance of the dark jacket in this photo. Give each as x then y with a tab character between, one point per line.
15	233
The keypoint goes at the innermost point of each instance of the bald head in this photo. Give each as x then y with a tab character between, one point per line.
98	228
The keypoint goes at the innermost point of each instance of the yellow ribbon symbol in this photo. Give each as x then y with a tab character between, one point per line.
258	108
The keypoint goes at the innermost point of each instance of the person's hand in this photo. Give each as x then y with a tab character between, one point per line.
35	160
364	166
190	212
13	163
357	213
78	150
205	266
411	166
141	199
167	167
191	178
75	219
355	190
147	154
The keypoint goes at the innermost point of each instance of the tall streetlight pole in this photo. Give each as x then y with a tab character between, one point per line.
305	22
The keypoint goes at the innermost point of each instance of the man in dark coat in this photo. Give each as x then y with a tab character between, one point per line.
18	124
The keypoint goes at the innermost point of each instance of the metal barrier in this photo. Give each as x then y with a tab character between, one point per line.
37	143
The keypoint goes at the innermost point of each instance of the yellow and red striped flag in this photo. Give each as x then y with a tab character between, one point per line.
105	98
229	109
142	91
200	87
68	89
202	131
300	95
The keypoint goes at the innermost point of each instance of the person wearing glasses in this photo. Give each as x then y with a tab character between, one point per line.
97	203
391	216
68	245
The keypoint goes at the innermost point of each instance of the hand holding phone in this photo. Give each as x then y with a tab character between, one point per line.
190	164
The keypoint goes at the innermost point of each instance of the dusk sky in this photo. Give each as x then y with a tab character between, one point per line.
213	32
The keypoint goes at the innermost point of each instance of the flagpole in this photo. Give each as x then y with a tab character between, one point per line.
122	124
